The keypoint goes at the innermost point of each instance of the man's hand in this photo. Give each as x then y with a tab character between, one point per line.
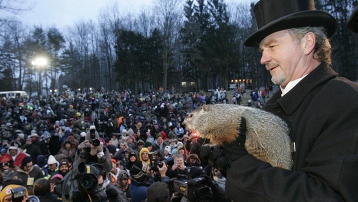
163	170
221	156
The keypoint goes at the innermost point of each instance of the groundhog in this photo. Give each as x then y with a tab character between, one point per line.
267	136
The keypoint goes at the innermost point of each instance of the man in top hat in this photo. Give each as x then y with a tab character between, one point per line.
320	107
353	20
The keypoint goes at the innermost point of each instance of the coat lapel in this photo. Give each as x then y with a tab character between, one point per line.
292	100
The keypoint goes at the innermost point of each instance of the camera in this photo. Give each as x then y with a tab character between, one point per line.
194	186
160	164
94	141
81	184
169	162
18	194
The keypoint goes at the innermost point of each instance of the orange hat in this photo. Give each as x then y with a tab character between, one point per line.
114	161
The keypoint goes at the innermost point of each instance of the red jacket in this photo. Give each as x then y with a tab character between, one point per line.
18	158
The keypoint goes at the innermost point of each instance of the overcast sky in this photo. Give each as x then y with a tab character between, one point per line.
63	13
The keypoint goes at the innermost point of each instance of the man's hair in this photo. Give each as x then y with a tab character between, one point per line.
322	50
158	192
177	155
41	187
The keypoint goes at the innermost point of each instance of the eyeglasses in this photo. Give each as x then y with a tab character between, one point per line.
5	164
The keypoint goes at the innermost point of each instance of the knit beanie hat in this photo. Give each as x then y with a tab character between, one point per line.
64	162
140	142
41	160
123	175
51	160
133	153
147	144
25	161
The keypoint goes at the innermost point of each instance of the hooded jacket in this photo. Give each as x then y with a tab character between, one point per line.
17	158
144	149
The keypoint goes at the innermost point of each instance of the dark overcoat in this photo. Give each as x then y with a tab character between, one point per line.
322	112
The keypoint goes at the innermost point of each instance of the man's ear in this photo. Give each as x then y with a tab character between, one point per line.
308	43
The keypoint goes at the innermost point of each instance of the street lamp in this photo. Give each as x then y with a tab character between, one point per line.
40	63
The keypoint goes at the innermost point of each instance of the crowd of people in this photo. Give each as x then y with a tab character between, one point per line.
130	140
120	146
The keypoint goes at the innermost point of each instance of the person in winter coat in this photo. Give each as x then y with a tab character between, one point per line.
132	158
93	151
67	151
52	168
33	148
123	182
7	169
139	185
144	156
15	154
28	173
320	107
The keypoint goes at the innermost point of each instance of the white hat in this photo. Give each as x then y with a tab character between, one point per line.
34	135
83	134
168	148
21	135
51	160
13	146
92	127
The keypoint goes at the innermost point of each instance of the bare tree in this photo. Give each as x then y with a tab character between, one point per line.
9	8
168	20
17	32
145	22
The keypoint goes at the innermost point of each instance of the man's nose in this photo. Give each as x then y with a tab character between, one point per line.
265	58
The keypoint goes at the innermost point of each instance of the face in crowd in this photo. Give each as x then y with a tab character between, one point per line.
28	167
64	169
145	156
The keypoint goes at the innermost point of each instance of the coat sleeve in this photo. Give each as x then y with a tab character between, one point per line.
249	179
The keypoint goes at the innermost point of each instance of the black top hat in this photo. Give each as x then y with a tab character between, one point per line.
275	15
353	20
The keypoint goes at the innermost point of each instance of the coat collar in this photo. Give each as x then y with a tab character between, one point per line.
291	101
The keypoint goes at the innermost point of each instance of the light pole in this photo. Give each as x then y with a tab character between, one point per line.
40	63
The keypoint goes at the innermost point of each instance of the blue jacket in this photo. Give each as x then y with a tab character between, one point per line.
138	191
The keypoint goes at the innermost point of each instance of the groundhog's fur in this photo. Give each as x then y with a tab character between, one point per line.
266	134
